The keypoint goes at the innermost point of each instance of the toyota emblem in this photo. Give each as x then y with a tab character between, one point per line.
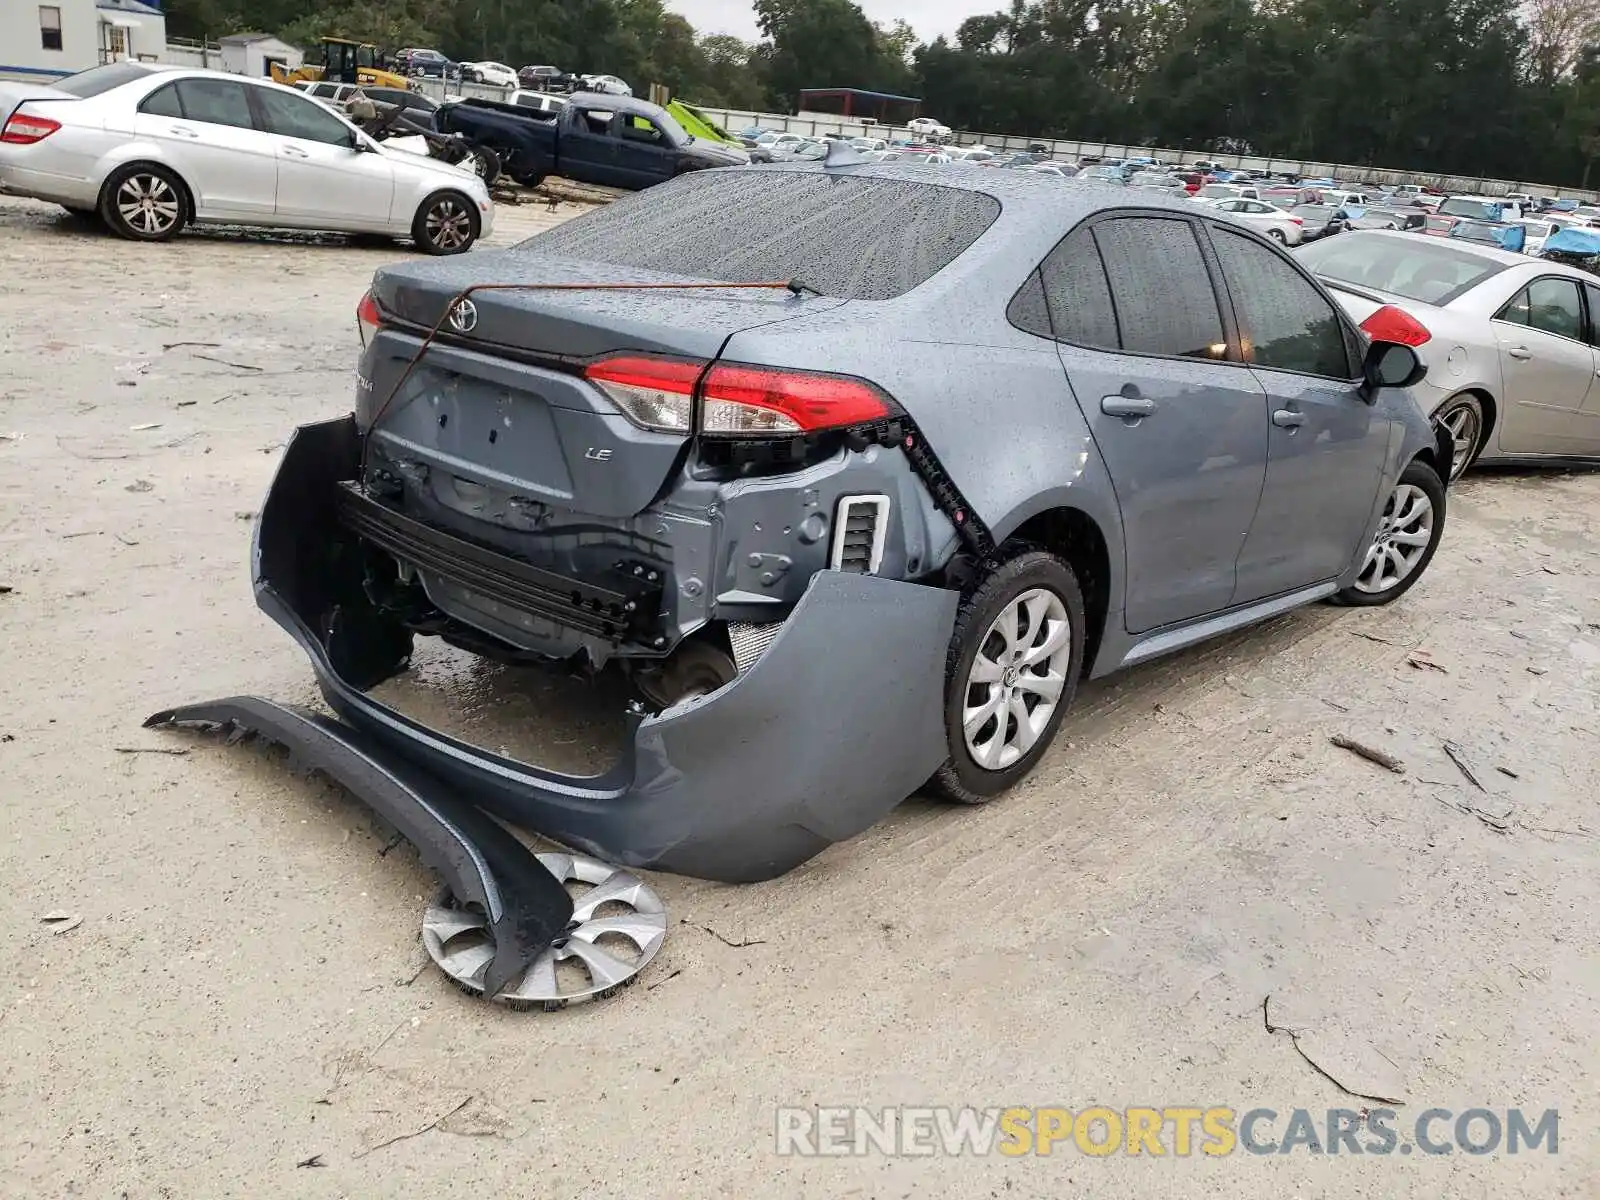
463	316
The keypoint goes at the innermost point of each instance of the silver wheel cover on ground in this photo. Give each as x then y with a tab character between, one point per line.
1402	539
1463	426
147	203
458	940
449	224
1016	679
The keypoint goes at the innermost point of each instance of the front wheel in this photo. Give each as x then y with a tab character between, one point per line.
1402	546
484	163
1011	672
446	223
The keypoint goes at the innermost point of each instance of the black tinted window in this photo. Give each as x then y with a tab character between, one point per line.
1163	295
1286	322
215	101
290	116
1028	311
163	102
101	79
1079	296
846	236
1592	294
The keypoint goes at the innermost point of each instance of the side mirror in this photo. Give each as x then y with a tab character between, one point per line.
1390	364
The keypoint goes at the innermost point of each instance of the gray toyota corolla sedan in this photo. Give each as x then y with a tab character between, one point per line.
855	470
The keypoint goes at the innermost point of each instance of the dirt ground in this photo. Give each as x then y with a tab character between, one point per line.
246	990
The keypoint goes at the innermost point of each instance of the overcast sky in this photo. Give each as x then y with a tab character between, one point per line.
932	17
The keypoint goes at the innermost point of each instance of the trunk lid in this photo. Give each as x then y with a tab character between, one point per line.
14	95
495	423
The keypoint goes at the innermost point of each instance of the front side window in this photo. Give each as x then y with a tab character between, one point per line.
50	26
1548	305
640	129
1162	292
1288	325
289	116
215	102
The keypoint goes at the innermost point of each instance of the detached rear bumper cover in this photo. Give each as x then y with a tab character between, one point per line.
482	863
838	721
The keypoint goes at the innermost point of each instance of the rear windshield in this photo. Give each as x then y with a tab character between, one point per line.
101	79
1483	210
851	237
1412	267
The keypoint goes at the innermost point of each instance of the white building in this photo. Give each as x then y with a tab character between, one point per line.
254	54
41	42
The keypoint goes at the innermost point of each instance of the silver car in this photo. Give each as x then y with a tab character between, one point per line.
1511	338
1283	228
151	149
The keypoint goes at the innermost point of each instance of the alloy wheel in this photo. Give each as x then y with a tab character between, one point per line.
1463	426
1016	679
1404	534
449	224
148	204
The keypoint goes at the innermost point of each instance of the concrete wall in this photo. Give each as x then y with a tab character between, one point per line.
814	125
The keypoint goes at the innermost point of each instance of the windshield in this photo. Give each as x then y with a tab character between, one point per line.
1402	265
852	237
101	79
1480	210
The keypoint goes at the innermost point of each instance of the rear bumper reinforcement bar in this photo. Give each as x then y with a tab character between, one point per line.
839	720
482	863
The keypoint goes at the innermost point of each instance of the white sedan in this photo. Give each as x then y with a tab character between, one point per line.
928	128
150	149
1274	222
492	73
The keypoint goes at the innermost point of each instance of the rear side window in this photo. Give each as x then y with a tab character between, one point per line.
163	102
1287	323
1078	293
849	237
1548	305
215	102
1165	303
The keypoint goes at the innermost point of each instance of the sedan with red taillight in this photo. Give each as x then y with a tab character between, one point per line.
851	472
1513	339
150	149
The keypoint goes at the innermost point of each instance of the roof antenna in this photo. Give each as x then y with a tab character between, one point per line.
842	154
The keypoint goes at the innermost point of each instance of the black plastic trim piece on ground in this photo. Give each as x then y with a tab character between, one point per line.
482	864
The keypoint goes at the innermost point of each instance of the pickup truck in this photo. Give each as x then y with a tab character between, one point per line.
614	141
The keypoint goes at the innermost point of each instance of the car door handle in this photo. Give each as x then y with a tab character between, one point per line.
295	152
182	132
1127	406
1521	352
1287	418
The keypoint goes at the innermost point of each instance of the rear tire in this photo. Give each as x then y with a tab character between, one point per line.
1462	416
1017	649
446	223
1278	236
1415	509
144	202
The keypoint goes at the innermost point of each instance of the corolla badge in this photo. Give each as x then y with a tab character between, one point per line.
463	316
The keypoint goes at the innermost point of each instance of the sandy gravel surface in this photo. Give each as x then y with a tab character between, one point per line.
244	991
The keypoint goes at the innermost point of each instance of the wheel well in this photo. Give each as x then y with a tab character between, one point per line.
1073	535
1490	412
188	192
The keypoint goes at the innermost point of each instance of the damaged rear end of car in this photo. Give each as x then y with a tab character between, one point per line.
558	457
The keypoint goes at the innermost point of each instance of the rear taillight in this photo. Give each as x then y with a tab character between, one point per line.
1298	220
737	400
368	317
1391	324
24	129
